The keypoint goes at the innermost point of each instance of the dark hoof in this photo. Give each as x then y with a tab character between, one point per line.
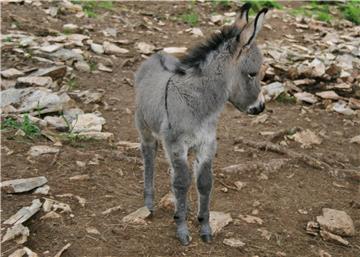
207	238
184	239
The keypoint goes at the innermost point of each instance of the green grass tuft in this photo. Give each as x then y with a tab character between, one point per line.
286	98
27	126
72	83
191	18
90	7
351	11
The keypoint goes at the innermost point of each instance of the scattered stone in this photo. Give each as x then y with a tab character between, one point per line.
80	164
355	140
342	108
67	246
88	122
82	66
304	82
98	49
81	200
273	90
55	72
11	73
92	230
97	135
21	252
137	217
70	27
218	220
50	48
323	253
44	190
196	32
312	228
307	138
328	95
128	145
337	222
306	97
145	48
14	232
327	236
80	177
239	185
216	19
57	122
25	42
89	97
354	103
317	68
24	213
102	67
264	233
232	242
50	215
251	219
112	209
22	185
67	54
109	32
53	205
33	82
110	48
175	50
259	119
167	202
38	150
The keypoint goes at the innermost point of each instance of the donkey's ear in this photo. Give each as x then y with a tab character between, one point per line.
243	17
248	35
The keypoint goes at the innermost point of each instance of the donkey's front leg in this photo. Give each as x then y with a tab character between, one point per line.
204	181
181	180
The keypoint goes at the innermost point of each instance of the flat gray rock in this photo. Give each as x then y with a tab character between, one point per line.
23	184
337	222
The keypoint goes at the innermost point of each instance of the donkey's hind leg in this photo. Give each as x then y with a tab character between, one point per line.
148	149
181	180
204	181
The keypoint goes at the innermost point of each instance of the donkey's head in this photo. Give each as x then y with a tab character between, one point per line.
243	72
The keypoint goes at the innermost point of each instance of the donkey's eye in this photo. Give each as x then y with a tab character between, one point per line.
251	75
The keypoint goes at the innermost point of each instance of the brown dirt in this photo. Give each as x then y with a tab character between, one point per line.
295	186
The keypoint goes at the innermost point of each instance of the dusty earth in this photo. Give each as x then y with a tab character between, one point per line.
117	178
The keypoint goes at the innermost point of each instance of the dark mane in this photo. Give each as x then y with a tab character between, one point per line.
198	54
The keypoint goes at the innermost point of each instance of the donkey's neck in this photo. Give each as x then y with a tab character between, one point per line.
205	93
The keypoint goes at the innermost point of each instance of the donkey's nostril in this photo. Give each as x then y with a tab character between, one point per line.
256	109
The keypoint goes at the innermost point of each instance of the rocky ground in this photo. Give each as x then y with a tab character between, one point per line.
286	182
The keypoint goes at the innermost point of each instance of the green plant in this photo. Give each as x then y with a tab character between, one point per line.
90	7
286	98
67	31
27	126
191	18
323	16
257	5
7	39
351	11
92	65
223	3
72	84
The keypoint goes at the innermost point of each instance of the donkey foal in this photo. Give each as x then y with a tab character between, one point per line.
179	101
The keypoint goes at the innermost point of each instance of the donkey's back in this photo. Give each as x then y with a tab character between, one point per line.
150	83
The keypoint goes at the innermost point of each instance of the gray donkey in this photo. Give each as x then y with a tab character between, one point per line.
179	102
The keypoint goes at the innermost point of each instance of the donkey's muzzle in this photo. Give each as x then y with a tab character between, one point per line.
254	110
